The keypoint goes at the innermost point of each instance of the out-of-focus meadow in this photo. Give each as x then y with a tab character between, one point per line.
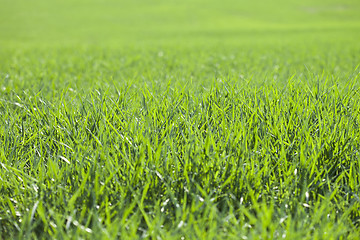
157	22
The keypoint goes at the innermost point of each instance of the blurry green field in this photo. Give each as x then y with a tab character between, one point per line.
118	23
179	119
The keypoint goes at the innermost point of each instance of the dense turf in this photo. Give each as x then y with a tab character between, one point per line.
179	120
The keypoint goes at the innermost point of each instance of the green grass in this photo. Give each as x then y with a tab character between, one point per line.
179	119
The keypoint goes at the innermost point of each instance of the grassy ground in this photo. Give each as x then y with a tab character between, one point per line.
179	119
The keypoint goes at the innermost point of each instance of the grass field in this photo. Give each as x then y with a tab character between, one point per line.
179	119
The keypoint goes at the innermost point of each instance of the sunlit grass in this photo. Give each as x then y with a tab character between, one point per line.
172	151
171	120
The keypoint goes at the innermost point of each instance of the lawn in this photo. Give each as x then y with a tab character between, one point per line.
179	119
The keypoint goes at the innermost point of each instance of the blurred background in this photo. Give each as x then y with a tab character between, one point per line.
173	22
